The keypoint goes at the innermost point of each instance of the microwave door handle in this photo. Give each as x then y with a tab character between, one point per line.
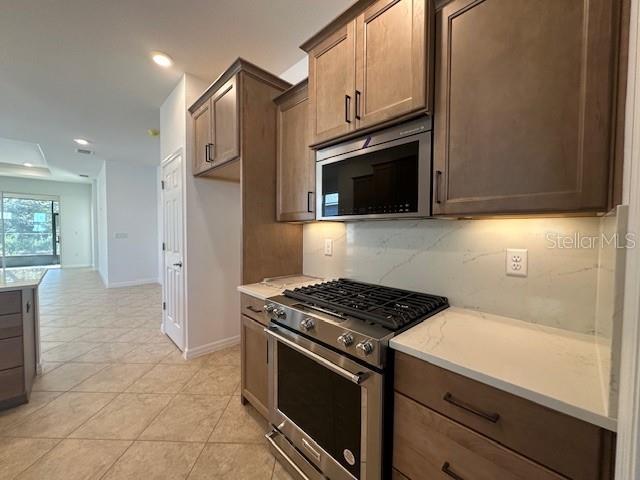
356	378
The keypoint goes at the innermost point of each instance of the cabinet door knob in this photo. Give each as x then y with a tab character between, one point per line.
28	307
208	149
358	94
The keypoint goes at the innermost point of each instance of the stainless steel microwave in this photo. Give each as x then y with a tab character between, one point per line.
386	174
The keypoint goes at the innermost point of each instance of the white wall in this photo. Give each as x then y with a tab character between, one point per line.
132	224
212	233
75	215
297	72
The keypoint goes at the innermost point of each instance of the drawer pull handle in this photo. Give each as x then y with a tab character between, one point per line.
446	469
492	417
253	309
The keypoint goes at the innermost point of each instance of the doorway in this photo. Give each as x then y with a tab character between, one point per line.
29	230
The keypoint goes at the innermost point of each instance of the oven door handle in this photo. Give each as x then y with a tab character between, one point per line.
356	378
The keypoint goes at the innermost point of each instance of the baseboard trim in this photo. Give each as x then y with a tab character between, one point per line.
104	280
191	353
79	265
132	283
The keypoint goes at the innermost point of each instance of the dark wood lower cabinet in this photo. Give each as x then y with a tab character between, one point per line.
485	433
18	321
429	446
254	365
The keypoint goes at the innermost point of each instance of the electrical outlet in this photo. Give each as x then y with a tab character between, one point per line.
328	247
516	262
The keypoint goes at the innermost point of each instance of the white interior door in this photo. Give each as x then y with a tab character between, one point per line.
173	285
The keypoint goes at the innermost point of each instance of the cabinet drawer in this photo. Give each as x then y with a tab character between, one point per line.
428	445
572	447
253	307
11	353
11	383
10	302
10	325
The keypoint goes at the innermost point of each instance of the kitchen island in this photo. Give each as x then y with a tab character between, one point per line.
19	333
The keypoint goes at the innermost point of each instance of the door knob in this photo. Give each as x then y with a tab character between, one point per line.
178	264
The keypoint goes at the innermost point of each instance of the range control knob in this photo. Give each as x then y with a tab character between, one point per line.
346	339
307	324
365	347
269	308
280	313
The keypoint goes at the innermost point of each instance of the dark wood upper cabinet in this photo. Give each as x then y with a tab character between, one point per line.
524	96
370	67
332	72
392	69
242	148
295	160
225	136
202	138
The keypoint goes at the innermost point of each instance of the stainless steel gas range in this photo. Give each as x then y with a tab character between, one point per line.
330	374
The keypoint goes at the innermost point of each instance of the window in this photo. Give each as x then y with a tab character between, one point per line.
30	233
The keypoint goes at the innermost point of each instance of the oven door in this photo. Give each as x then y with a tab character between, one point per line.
328	406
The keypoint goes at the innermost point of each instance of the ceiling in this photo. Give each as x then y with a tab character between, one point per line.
81	68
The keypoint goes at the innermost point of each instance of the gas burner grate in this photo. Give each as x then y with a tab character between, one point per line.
390	307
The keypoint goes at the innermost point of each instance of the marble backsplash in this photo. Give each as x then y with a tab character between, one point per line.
465	261
609	302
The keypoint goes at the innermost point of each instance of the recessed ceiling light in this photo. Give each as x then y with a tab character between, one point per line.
81	141
162	59
26	164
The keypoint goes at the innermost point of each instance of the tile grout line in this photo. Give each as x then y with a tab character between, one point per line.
206	443
41	457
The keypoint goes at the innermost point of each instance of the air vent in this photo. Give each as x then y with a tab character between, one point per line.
84	151
83	175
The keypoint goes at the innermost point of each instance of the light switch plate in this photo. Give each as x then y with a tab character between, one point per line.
328	247
516	262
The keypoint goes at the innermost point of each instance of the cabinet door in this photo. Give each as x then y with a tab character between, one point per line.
224	119
254	365
202	138
295	161
392	60
332	85
522	106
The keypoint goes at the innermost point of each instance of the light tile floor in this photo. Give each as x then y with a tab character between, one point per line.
117	400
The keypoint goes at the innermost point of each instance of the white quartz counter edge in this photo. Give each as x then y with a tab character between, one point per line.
477	372
27	278
266	290
260	291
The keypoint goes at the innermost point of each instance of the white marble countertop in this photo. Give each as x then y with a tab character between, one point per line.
17	278
270	287
551	367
